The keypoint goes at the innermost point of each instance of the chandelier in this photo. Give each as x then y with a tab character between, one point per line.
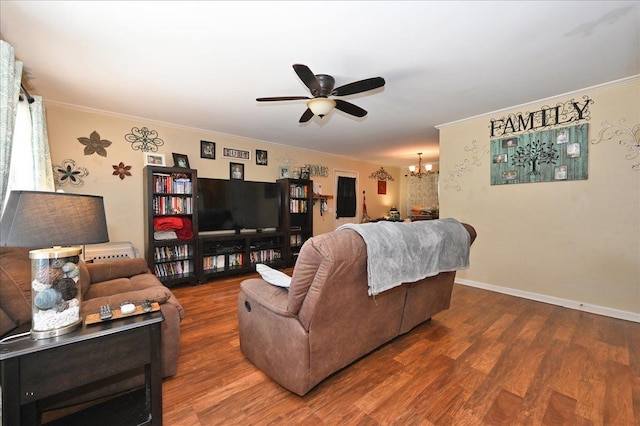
420	173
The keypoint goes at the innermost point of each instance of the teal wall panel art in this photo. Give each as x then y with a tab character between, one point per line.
548	156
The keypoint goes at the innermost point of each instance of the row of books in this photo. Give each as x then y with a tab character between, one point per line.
172	205
213	263
173	268
168	184
172	252
265	256
298	206
295	240
298	191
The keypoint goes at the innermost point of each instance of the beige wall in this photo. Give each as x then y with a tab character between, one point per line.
123	198
576	242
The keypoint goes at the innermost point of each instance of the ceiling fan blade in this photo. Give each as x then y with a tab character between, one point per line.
282	98
359	86
306	116
307	77
350	108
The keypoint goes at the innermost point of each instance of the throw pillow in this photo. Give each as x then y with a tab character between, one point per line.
273	276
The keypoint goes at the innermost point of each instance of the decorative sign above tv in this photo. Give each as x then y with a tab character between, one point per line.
236	153
547	156
563	113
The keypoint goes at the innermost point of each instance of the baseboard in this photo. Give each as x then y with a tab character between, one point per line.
566	303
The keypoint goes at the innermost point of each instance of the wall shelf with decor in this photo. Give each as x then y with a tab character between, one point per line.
297	215
226	254
171	223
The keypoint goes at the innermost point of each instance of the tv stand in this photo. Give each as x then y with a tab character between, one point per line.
226	254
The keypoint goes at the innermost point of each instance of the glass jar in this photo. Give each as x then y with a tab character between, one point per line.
56	295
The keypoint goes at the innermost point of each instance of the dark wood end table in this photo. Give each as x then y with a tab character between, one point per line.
35	369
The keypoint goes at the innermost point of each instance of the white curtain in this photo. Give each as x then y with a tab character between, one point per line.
422	193
10	77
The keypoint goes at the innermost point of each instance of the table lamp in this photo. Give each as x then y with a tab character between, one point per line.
62	222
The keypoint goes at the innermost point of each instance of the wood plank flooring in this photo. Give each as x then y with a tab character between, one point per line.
491	359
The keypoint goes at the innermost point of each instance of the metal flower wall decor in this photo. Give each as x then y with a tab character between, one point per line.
70	173
478	152
144	140
381	175
94	145
626	136
121	170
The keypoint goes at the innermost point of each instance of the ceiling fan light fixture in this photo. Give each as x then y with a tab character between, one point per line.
321	106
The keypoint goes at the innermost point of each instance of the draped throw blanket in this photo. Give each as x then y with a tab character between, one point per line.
404	252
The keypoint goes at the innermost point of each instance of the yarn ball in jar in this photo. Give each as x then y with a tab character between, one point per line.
62	306
47	299
57	263
67	288
47	275
68	267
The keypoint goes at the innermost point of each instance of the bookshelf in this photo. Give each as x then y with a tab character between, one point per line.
171	223
297	215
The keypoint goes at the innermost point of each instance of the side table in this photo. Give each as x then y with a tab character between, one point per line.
35	369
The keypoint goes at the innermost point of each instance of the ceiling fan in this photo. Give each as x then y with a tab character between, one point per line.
321	87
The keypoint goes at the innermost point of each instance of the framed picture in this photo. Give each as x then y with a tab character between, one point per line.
285	172
153	159
236	171
561	173
208	150
236	153
180	160
261	157
382	187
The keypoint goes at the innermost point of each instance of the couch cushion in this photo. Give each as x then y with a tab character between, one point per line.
15	288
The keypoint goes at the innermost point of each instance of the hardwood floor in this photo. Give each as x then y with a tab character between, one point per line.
491	359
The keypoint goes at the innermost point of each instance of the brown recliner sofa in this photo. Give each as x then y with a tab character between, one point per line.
326	320
116	282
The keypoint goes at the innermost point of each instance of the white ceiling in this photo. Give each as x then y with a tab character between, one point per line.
202	64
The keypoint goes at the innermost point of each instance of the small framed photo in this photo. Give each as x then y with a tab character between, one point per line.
261	157
510	175
153	159
208	150
500	158
285	172
562	137
561	173
509	143
236	171
573	150
180	160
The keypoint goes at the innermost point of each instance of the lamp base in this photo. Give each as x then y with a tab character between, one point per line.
56	294
46	334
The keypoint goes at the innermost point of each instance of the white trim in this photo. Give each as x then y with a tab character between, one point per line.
554	97
566	303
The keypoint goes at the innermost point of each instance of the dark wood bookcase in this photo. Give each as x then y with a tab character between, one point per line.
296	197
171	193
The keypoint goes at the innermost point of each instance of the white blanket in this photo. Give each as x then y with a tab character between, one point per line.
404	252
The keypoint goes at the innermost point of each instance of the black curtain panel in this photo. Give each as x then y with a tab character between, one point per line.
346	198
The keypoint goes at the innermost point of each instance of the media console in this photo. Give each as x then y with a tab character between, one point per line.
230	253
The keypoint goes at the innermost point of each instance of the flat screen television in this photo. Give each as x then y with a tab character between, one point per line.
234	205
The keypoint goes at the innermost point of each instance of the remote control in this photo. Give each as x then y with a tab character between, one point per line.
127	308
146	306
105	312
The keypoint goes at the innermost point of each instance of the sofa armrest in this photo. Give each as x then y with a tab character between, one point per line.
270	297
123	268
